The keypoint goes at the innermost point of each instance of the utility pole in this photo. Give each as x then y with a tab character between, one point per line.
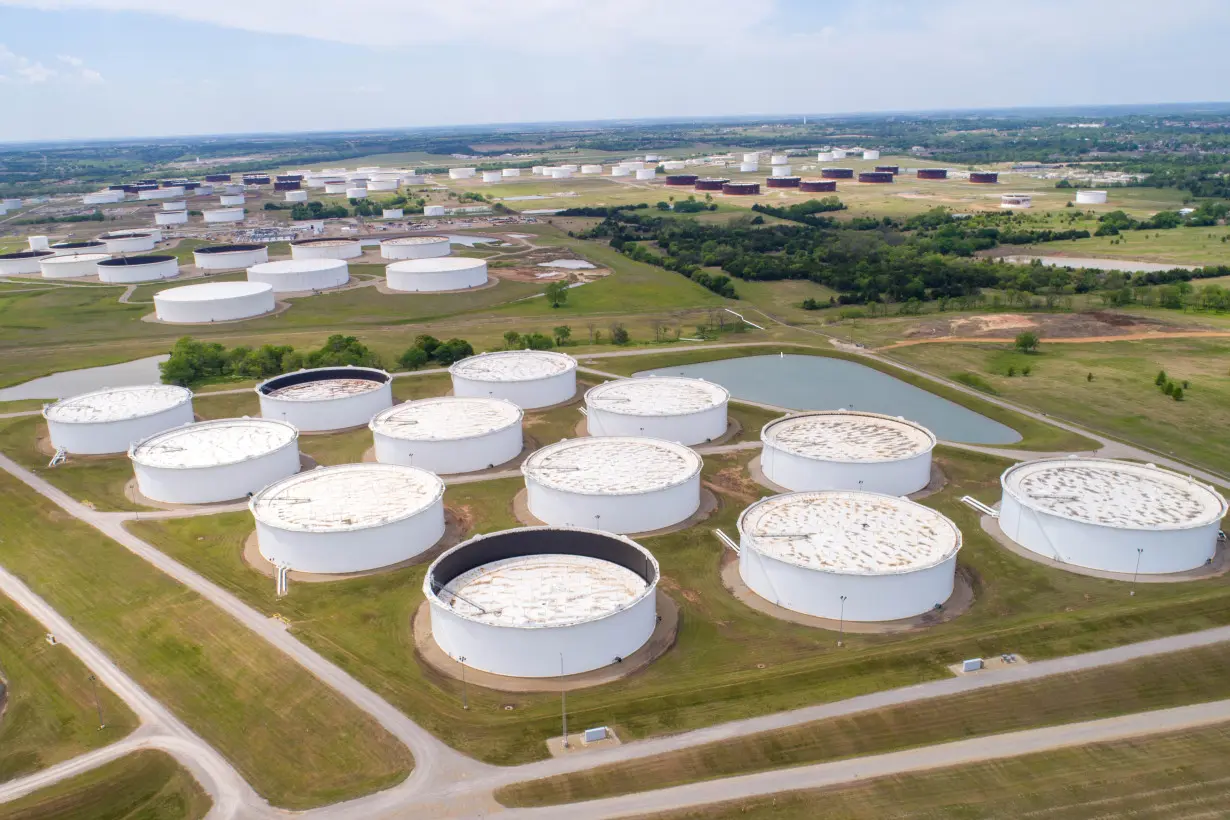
465	695
841	624
97	703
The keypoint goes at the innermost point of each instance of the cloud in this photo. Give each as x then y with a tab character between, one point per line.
26	70
75	62
91	77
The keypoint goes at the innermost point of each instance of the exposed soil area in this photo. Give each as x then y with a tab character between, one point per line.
1088	325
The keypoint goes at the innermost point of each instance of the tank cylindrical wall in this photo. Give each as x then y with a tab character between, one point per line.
71	266
527	395
356	193
681	179
622	514
326	250
752	157
227	200
296	196
875	176
223	309
329	414
223	482
149	272
818	185
25	262
646	173
426	281
689	429
783	182
175	206
871	155
433	210
749	167
128	244
224	215
391	249
710	183
1087	197
74	248
451	456
510	172
837	173
335	187
983	177
741	188
778	159
933	173
287	279
105	438
892	169
231	260
781	170
796	473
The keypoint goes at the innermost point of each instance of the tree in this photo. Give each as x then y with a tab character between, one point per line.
1160	381
562	334
454	350
557	294
663	206
1027	342
512	340
1088	377
413	359
427	343
619	334
339	350
1177	394
537	341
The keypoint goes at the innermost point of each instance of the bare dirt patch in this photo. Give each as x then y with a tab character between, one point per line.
1086	325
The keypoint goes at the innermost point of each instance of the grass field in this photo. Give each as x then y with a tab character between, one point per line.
145	785
1165	777
294	739
1191	676
97	480
50	713
1122	400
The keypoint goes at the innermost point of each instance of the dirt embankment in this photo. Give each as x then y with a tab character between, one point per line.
1091	326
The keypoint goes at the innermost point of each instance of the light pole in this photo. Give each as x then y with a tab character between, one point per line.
563	701
597	521
465	695
97	704
1140	551
841	624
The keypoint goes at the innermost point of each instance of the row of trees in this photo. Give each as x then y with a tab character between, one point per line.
194	362
430	350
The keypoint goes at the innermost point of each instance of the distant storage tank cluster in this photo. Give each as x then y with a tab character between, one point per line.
449	434
875	176
932	173
1088	197
689	411
230	257
436	274
816	186
741	188
1115	516
984	177
301	275
213	302
108	421
528	378
326	398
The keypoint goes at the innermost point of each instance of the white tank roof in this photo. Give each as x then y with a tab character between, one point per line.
117	404
853	533
1117	494
70	258
347	497
415	240
612	465
325	389
447	418
841	435
210	291
439	264
513	365
657	396
282	266
213	443
325	243
543	591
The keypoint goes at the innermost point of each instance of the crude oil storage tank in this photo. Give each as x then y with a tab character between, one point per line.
818	185
871	155
646	174
1116	516
875	176
110	420
287	185
167	218
752	157
433	210
356	193
510	172
103	197
710	183
932	173
542	602
71	266
620	484
230	257
415	247
326	398
211	461
689	411
23	262
847	450
1016	201
125	270
891	169
783	182
230	200
1088	197
492	176
779	159
222	215
440	274
741	188
855	556
300	275
749	167
461	173
984	177
621	171
837	173
349	518
84	246
217	177
331	247
559	173
681	179
448	434
392	213
336	186
528	378
127	242
296	196
213	302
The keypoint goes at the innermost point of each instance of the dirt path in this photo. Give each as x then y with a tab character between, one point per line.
1127	337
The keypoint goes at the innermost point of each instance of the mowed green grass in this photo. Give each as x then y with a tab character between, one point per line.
50	714
1179	679
1161	777
729	661
295	740
145	785
1122	401
97	481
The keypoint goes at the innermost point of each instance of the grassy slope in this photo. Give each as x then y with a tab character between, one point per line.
295	740
145	785
1160	778
50	713
97	481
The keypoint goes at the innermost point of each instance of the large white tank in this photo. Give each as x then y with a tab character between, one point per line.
336	186
1116	516
542	602
752	157
591	169
839	153
181	205
213	302
349	518
847	450
332	247
211	461
356	193
852	556
528	378
229	257
326	398
781	170
223	215
433	210
871	155
1088	197
38	243
230	200
461	173
301	275
392	213
109	420
23	262
414	179
79	247
492	176
779	159
449	434
383	184
632	164
415	247
620	484
510	172
130	269
689	411
621	171
560	173
440	274
1016	201
295	196
166	218
71	266
673	165
748	167
646	173
102	198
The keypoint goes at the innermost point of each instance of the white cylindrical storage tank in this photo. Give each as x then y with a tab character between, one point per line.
752	156
181	205
781	170
296	196
847	450
441	274
326	248
449	434
230	257
853	556
673	165
492	176
349	518
326	398
102	198
1088	197
167	218
646	173
433	210
633	164
23	262
228	200
620	484
572	169
213	302
560	173
461	173
356	193
538	170
591	169
414	179
542	602
392	213
415	247
749	167
621	171
128	242
510	172
129	269
383	184
211	461
1115	516
38	243
301	275
83	246
527	378
779	159
336	187
1016	201
689	411
871	155
221	215
232	189
71	266
839	153
109	420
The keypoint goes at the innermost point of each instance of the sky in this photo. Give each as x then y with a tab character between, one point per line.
80	69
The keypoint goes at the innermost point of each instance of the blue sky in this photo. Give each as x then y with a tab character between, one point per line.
74	69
